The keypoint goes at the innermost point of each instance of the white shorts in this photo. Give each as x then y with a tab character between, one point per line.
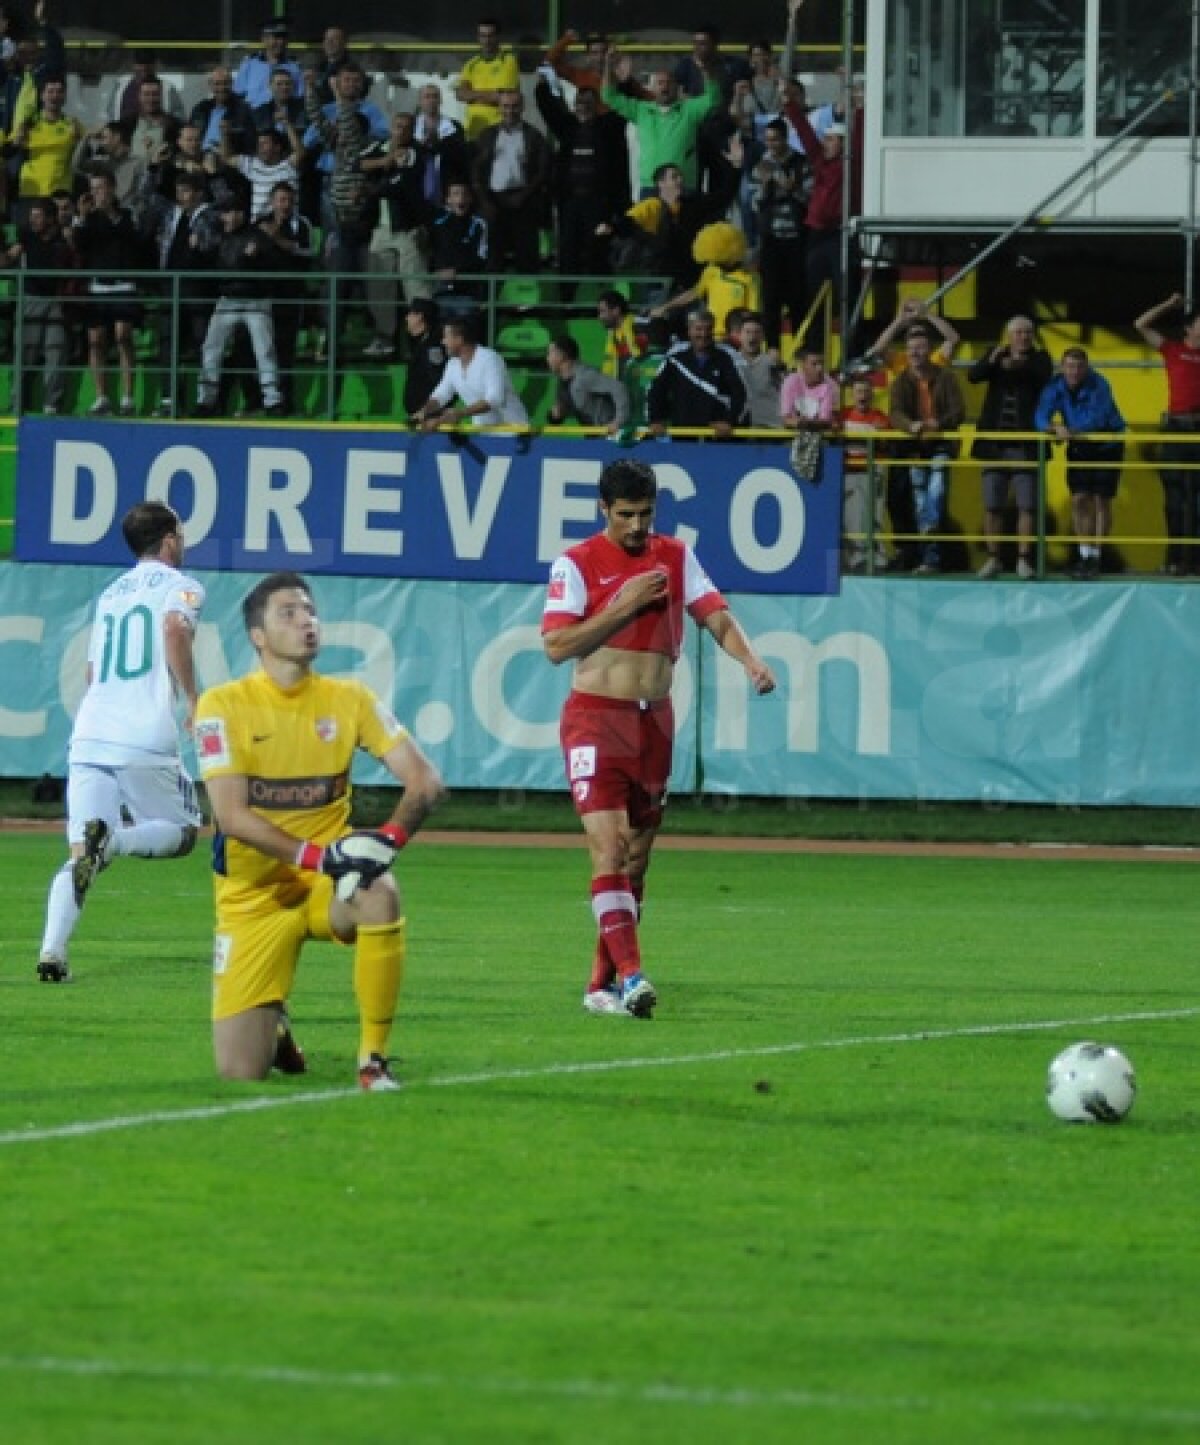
162	793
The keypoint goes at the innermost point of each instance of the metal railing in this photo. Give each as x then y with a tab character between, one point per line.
324	309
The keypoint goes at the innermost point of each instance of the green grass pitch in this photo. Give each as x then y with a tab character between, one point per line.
819	1198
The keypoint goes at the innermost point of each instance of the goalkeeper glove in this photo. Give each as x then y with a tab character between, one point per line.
355	860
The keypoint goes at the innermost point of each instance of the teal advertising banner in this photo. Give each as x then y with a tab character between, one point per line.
1062	693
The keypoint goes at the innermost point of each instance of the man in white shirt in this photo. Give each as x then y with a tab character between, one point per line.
478	377
276	159
124	750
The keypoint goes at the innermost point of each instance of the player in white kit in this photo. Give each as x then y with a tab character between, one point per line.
124	750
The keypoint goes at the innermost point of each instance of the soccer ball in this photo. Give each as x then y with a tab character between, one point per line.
1091	1084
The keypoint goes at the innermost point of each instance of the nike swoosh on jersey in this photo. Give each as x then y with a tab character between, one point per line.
262	737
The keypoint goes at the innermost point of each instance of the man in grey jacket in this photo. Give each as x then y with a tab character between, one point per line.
584	394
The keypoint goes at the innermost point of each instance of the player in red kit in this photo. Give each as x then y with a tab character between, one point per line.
615	607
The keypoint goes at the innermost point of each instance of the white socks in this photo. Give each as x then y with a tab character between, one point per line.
61	914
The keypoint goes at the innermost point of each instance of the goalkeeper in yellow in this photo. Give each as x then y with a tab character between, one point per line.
275	750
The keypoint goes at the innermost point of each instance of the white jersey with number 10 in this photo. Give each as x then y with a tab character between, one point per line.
128	712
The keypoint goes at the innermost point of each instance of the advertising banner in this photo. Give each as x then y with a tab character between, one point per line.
1069	695
377	503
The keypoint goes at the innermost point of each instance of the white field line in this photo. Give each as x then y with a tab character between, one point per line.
651	1394
87	1127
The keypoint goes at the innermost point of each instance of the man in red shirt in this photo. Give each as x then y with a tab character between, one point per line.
823	220
615	607
1181	488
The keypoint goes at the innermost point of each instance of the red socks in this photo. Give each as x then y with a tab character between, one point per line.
615	907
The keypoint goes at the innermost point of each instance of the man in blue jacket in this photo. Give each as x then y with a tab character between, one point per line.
1083	402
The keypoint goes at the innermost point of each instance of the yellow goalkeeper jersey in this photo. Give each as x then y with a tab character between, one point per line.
294	746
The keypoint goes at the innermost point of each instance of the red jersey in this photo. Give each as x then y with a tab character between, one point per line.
1183	377
588	577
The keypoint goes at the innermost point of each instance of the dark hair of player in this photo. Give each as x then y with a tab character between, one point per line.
567	345
627	481
146	526
254	605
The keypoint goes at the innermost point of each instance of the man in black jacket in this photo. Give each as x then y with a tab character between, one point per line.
426	354
1015	372
243	302
108	244
186	238
511	173
441	146
458	241
590	182
222	106
400	240
697	385
41	246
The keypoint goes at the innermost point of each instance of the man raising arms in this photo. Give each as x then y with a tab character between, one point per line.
615	608
124	750
275	750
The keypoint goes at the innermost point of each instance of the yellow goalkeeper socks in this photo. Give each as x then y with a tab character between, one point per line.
378	970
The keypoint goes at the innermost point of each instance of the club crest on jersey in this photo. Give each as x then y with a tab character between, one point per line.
212	746
327	729
582	763
194	600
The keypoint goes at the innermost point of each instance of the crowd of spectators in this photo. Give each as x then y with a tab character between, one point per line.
713	179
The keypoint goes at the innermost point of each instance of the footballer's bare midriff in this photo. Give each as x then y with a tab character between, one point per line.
634	676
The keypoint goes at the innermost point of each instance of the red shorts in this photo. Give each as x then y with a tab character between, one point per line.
618	755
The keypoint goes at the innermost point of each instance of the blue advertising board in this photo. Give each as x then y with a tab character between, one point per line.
378	503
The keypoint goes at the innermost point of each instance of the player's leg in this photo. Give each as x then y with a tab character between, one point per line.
166	820
244	1045
647	796
166	817
600	749
254	964
92	792
615	908
372	921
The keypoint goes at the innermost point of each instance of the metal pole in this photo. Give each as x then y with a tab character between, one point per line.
1193	116
18	394
1035	212
848	163
173	396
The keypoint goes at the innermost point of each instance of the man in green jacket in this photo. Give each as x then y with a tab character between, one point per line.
668	127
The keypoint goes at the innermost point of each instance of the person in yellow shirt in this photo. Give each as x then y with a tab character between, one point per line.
484	76
622	344
275	750
725	284
48	140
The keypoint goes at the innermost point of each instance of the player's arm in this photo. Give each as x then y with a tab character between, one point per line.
229	796
358	858
729	636
423	788
177	639
581	639
1145	324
